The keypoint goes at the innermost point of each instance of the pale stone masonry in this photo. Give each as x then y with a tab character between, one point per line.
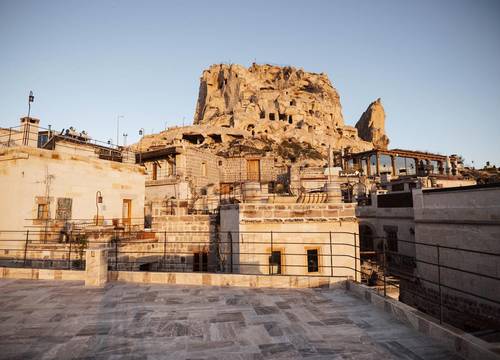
291	231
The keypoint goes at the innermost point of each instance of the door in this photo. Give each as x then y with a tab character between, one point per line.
127	212
253	170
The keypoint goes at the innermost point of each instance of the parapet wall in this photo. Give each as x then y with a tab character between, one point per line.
293	212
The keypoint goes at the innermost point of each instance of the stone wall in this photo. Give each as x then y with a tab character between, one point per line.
293	229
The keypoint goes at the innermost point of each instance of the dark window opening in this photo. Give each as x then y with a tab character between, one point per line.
271	116
217	138
282	117
392	239
200	262
275	262
262	114
312	260
194	138
290	119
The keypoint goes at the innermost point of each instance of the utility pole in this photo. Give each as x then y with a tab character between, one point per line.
118	129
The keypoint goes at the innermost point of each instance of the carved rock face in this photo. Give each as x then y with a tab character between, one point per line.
283	111
275	102
371	125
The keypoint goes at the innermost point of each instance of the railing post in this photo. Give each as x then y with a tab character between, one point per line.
164	249
69	255
26	246
355	260
10	134
116	252
230	237
271	257
384	243
439	286
331	255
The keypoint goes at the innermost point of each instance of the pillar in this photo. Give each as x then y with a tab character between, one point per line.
96	267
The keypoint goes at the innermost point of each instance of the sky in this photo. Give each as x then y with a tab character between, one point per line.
434	64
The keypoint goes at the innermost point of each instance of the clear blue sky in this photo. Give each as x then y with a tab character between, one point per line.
435	64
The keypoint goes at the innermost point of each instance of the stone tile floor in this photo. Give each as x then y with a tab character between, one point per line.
65	320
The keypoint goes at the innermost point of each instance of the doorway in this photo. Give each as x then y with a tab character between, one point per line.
127	212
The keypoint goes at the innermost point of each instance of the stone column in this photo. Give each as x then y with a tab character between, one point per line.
393	165
332	189
96	267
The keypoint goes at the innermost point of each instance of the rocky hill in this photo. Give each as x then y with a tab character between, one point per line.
273	108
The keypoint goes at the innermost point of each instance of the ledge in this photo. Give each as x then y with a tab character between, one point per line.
467	345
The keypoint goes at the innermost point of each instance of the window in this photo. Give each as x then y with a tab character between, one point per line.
271	116
42	212
391	233
312	260
262	114
282	117
64	208
200	261
275	262
203	169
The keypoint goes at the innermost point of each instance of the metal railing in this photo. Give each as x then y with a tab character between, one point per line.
430	277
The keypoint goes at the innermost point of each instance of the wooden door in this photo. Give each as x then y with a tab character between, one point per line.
253	170
127	211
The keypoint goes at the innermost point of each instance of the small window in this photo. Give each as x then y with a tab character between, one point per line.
392	238
290	119
42	212
64	208
220	162
262	114
271	116
275	263
312	260
203	169
282	117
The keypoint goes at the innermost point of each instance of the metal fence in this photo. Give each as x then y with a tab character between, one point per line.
434	278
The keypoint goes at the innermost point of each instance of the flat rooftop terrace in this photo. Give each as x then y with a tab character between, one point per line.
64	320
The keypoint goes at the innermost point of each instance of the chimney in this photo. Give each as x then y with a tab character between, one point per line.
29	130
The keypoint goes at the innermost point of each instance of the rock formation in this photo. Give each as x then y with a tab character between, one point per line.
371	125
284	110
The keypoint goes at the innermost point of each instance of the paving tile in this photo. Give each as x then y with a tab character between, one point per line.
65	320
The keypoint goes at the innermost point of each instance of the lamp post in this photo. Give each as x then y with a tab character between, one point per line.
125	139
31	98
141	132
98	200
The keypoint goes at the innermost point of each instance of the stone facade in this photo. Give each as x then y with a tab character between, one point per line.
252	232
455	227
35	181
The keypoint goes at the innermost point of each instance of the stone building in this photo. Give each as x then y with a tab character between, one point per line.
73	185
290	239
454	227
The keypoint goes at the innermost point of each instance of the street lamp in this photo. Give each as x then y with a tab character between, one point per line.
98	200
141	132
31	98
